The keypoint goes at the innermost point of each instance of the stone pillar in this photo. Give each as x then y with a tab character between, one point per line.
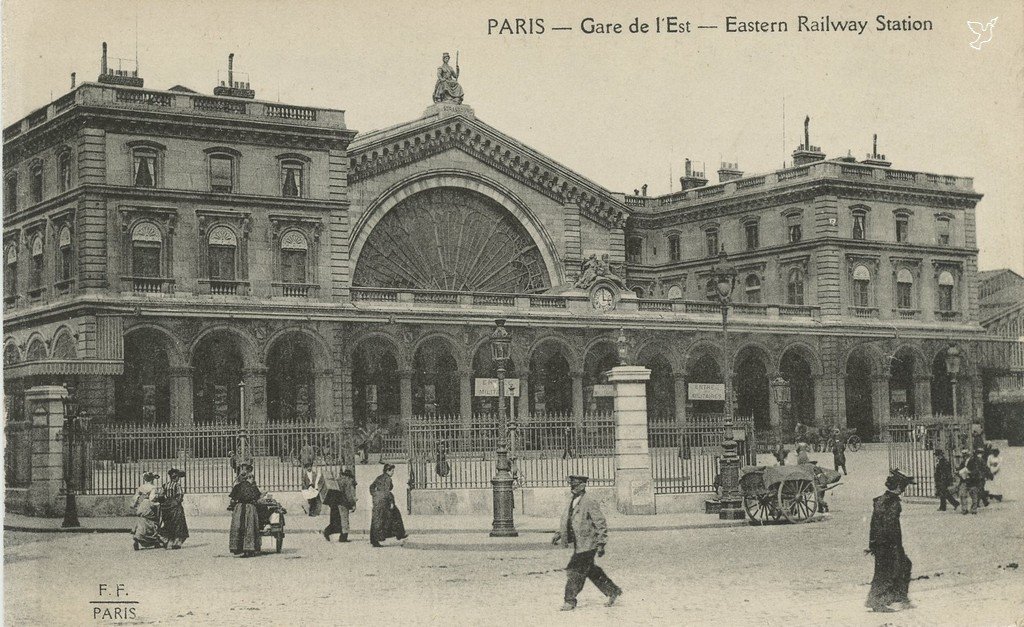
324	392
880	405
634	481
679	380
577	396
523	402
820	391
774	406
255	396
181	397
466	397
45	406
405	391
923	396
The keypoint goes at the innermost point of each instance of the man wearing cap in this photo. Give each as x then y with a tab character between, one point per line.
584	527
891	581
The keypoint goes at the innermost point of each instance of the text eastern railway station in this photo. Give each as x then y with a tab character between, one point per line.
183	263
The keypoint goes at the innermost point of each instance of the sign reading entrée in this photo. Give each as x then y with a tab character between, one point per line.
705	391
489	387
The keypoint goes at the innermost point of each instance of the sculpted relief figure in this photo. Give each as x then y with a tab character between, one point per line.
604	271
447	88
588	272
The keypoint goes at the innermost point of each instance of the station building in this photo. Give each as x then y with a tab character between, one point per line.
178	258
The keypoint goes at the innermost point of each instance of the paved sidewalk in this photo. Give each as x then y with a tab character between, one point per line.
299	522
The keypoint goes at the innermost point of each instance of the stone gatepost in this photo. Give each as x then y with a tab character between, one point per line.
46	406
634	482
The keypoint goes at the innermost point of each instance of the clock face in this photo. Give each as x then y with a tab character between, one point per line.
603	299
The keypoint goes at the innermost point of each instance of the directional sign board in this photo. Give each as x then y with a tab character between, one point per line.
706	391
489	387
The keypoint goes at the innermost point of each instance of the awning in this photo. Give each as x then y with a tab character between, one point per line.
57	367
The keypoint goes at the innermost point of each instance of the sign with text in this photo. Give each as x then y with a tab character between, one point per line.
899	395
489	387
705	391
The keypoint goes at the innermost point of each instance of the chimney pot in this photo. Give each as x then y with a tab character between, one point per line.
103	61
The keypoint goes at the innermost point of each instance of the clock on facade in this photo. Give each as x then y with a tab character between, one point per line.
603	299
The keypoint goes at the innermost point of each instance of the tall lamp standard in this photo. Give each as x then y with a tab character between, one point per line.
70	432
731	505
953	370
503	525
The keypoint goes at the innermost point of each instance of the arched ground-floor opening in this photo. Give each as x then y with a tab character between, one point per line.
217	371
551	383
142	394
703	368
291	380
859	402
751	384
376	386
661	394
435	380
484	367
795	369
597	393
942	388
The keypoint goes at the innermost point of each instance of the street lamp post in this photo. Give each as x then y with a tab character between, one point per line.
503	525
729	466
953	370
70	432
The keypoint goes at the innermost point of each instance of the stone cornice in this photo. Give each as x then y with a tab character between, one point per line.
405	146
718	207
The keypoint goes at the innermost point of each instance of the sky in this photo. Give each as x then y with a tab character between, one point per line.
621	109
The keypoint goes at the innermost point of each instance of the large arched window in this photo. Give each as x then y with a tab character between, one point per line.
147	246
795	287
222	253
946	291
294	254
752	287
904	289
861	287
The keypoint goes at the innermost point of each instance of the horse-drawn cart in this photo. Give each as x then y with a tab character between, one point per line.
794	492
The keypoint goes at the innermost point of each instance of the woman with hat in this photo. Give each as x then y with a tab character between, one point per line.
147	510
173	528
891	581
386	519
244	538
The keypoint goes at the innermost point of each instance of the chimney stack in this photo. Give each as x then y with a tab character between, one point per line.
874	158
643	190
103	60
231	88
231	69
110	76
691	178
807	153
729	172
72	80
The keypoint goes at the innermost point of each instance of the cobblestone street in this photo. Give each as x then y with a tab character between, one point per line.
964	568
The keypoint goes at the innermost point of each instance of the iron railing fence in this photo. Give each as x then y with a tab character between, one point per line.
912	445
684	458
119	454
544	450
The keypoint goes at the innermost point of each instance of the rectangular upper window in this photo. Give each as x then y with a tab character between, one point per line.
222	174
711	239
752	235
674	250
902	229
291	179
796	233
942	229
144	169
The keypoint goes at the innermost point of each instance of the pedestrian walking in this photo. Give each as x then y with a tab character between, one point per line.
244	537
241	456
340	498
891	581
994	462
147	512
944	481
173	526
312	487
801	454
839	456
386	519
583	526
972	476
781	454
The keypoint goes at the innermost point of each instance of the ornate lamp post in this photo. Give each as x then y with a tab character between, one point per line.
70	432
953	370
503	525
729	466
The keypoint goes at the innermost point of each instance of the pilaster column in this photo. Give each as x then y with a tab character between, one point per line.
634	481
679	387
577	395
405	392
774	406
181	396
324	384
923	396
255	395
45	407
820	383
523	402
880	405
466	397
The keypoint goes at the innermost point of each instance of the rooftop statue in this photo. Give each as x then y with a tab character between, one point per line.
447	88
593	269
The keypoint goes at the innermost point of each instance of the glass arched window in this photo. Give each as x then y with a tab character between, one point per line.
675	251
11	273
223	246
147	245
37	263
294	253
752	287
861	287
860	224
904	289
795	287
65	254
946	285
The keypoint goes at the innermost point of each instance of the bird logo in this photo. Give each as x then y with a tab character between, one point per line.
983	32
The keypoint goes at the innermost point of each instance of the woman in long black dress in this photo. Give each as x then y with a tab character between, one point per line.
244	538
173	528
386	520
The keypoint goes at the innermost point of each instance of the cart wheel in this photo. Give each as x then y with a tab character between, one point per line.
853	443
798	500
761	508
280	541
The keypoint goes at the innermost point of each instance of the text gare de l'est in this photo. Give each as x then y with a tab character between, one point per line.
588	26
733	24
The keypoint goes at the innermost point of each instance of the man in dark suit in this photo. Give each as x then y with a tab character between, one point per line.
891	582
584	527
944	481
341	502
